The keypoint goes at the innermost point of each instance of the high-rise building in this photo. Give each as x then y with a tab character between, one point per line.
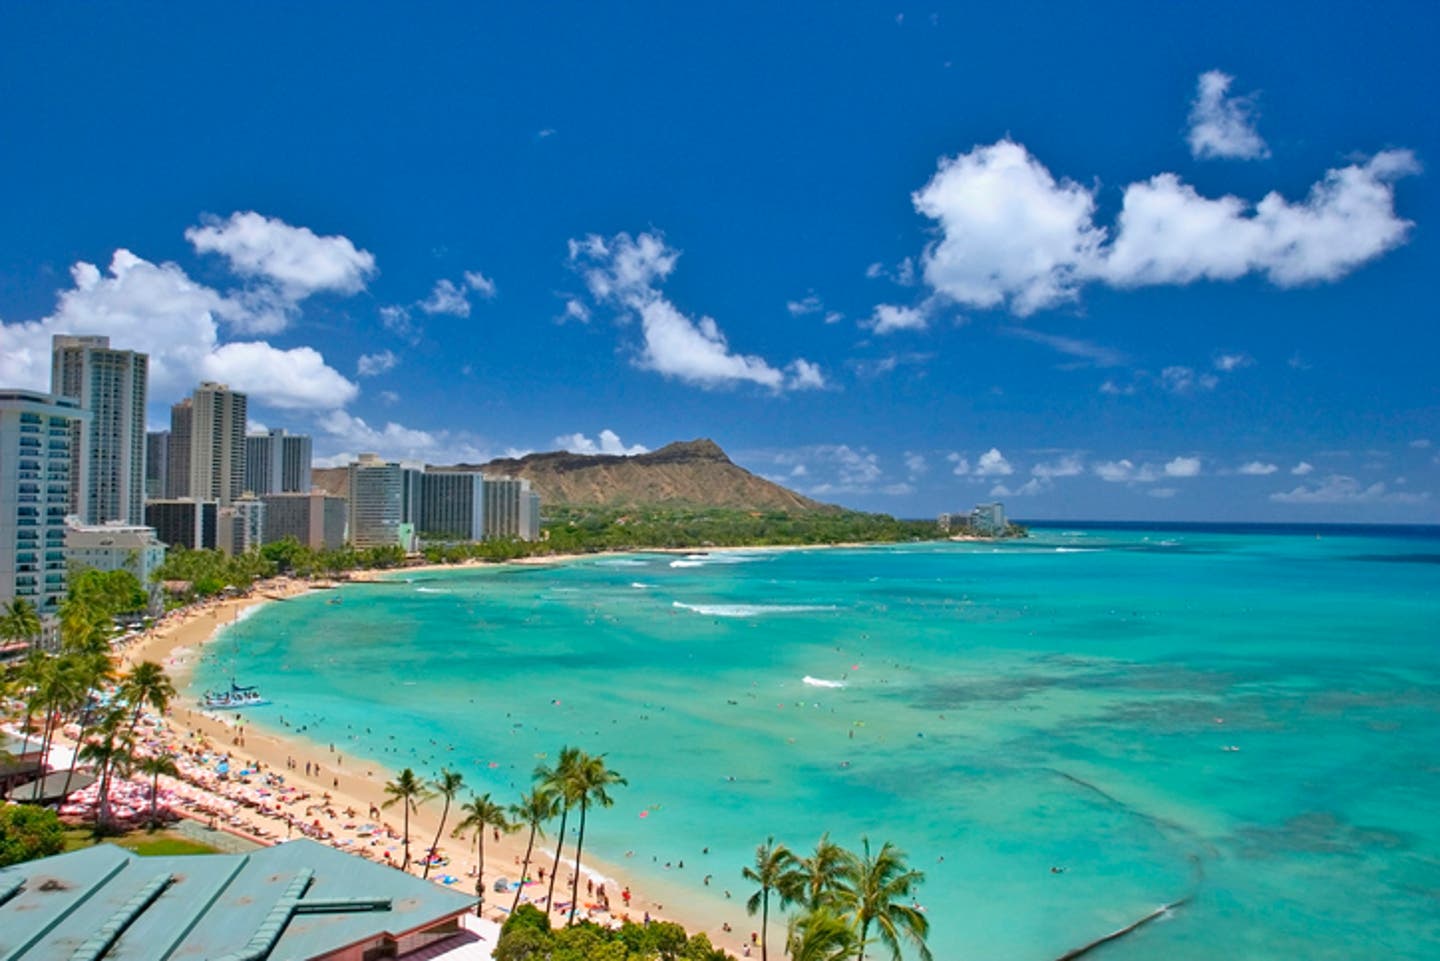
452	505
157	463
277	463
241	525
184	522
511	510
35	477
217	443
177	468
376	502
115	546
315	519
107	453
412	495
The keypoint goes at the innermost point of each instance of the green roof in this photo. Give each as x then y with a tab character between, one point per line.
297	900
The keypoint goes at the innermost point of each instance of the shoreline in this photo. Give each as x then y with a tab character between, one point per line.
356	785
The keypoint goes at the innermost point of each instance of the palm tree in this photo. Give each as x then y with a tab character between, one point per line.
59	693
821	935
816	877
447	786
875	890
773	867
94	670
480	813
409	792
111	753
559	781
589	779
30	679
147	683
534	809
156	765
19	621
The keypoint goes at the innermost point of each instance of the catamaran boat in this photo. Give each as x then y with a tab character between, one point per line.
234	699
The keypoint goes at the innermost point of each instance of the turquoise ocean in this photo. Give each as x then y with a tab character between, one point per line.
1247	717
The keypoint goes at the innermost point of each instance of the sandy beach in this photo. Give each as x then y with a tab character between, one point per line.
355	787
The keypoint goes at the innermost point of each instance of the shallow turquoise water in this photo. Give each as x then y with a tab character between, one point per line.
1065	701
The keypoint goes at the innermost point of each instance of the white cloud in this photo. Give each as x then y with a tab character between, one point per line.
889	318
916	463
1229	362
1184	380
482	285
1125	471
1117	390
1030	488
808	305
575	309
1422	443
608	443
992	463
352	435
1095	355
626	272
253	426
1069	465
1223	126
447	298
830	469
1010	233
397	320
159	310
833	316
1302	469
370	365
961	464
1258	469
1344	489
1013	235
295	259
389	397
294	378
1167	233
1183	467
1164	493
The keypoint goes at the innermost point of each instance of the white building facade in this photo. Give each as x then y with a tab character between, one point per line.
107	453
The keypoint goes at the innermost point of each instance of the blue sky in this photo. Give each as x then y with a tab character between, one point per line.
1151	261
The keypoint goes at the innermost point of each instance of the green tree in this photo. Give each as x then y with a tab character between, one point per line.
821	935
589	782
877	890
94	670
409	792
27	832
773	870
153	766
447	785
816	877
146	684
19	621
525	936
111	752
559	781
534	809
481	812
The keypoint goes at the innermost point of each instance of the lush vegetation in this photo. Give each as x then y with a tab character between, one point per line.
527	936
28	832
595	529
845	900
51	690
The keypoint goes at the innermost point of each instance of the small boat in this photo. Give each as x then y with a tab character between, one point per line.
234	699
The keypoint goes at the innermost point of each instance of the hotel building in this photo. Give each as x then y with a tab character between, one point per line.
36	432
277	463
107	453
315	519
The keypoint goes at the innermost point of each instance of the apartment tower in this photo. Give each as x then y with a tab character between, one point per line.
107	454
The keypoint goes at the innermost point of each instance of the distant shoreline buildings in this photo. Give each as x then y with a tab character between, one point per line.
83	484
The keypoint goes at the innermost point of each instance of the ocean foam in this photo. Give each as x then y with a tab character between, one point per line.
431	590
750	610
821	682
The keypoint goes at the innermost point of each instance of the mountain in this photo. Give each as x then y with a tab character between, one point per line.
694	473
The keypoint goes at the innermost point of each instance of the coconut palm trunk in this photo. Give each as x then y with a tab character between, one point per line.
555	871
